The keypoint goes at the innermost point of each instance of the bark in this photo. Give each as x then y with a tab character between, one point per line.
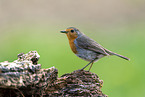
24	77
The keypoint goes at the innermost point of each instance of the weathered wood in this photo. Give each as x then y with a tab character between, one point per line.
24	77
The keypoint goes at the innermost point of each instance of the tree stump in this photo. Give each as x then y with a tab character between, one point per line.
24	77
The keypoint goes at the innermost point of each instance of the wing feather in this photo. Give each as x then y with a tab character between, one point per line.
89	44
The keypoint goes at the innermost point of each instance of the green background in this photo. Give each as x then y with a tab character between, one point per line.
117	25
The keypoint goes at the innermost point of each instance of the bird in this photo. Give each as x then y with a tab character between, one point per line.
86	48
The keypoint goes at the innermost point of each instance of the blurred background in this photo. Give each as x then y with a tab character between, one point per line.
118	25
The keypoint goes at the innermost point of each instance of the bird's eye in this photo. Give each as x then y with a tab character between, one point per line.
72	31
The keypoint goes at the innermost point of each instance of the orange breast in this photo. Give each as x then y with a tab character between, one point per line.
72	46
71	38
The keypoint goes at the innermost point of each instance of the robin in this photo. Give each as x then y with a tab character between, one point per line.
85	47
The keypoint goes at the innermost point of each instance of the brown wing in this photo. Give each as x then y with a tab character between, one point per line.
89	44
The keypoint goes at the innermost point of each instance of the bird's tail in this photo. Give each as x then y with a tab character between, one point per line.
121	56
112	53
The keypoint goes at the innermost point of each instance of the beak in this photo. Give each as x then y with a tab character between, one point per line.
63	31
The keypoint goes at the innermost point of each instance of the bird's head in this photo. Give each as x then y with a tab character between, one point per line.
72	32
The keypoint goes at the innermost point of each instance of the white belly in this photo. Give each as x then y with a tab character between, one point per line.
88	55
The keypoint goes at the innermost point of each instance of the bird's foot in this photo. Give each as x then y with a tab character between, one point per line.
84	70
81	69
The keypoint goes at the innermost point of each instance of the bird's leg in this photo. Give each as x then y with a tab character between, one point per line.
91	66
87	65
